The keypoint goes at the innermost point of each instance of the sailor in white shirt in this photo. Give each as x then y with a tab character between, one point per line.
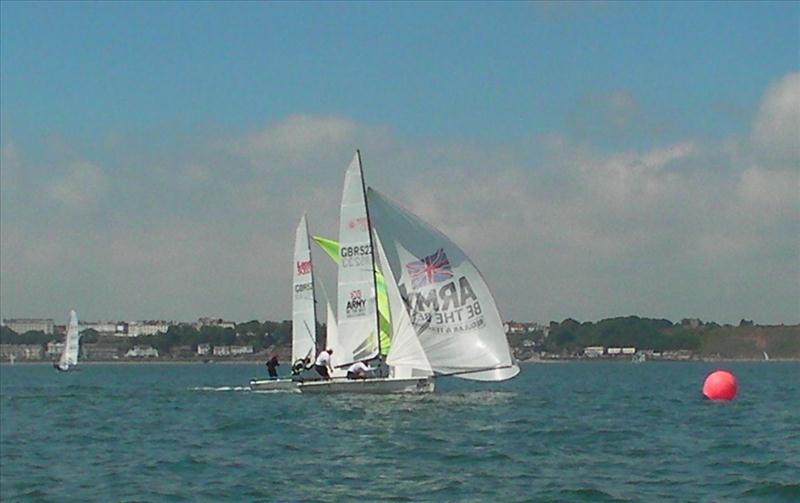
358	370
323	364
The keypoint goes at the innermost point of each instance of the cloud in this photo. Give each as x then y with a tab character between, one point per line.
80	187
9	166
293	139
559	226
776	130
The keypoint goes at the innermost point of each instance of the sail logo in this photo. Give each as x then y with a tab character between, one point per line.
429	270
356	305
302	287
450	308
358	223
303	267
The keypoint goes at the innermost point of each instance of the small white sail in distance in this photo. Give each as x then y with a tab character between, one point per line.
69	357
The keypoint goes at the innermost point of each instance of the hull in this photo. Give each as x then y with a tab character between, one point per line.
414	385
65	368
273	385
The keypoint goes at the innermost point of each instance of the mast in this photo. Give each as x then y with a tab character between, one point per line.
313	293
372	255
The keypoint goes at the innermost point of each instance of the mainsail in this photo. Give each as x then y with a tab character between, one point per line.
331	248
69	357
356	309
304	320
449	304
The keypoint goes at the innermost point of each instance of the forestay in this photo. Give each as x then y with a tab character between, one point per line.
449	304
303	315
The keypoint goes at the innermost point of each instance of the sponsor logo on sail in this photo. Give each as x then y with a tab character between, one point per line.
438	301
303	267
431	269
356	305
358	223
303	290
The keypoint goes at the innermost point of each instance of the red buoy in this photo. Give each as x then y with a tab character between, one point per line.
720	385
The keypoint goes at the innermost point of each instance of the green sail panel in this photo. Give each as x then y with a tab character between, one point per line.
331	248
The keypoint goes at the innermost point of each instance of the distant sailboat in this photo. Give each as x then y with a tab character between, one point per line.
69	357
304	319
766	356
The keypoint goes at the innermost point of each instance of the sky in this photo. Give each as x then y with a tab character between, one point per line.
593	159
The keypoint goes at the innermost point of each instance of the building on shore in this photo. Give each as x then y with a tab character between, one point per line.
593	351
203	349
241	350
54	348
137	328
222	350
22	325
20	352
214	322
142	352
99	351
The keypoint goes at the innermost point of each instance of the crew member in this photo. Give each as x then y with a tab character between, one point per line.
272	367
323	364
358	370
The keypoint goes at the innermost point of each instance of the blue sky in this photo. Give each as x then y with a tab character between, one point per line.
141	100
481	71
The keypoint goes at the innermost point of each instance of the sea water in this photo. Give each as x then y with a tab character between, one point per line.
557	432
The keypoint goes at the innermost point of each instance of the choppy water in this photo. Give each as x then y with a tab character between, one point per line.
558	432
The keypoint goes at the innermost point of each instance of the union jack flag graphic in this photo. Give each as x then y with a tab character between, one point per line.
431	269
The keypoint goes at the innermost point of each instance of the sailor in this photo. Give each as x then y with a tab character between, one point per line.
272	367
300	364
323	364
358	370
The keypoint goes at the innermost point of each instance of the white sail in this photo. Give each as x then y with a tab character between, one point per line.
450	305
332	336
69	357
357	315
303	314
406	352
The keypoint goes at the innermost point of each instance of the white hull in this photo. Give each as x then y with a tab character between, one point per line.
370	386
273	385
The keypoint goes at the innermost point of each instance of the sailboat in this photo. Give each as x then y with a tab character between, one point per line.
69	356
443	320
304	319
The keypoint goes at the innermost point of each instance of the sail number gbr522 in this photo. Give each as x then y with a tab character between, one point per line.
356	255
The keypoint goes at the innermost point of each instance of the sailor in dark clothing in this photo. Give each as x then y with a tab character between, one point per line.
272	367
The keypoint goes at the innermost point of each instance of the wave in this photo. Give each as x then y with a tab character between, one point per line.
220	388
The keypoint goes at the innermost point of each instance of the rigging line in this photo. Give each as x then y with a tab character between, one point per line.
473	371
310	335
